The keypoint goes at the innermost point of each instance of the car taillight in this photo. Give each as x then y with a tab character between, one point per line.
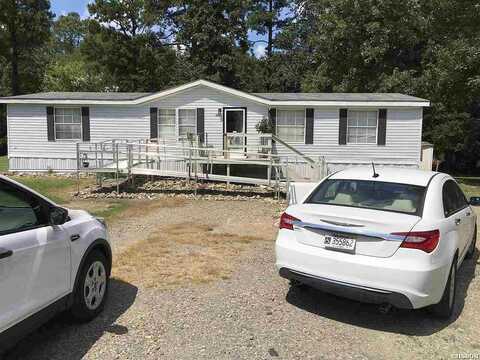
422	240
286	221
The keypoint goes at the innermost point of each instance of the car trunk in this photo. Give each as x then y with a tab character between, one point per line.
371	229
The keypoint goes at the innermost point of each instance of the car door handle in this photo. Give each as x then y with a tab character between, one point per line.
74	237
4	253
458	221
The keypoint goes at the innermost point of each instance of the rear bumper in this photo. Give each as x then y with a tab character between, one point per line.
412	274
350	291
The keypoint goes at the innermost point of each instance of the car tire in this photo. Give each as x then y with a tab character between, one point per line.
444	308
471	249
91	291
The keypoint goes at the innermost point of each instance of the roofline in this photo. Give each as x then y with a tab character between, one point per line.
149	98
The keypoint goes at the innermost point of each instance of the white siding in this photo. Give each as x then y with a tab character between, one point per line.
403	141
212	100
29	148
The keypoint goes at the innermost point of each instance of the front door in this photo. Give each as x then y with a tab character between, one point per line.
235	129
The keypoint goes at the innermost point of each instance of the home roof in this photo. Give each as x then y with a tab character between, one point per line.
338	97
110	96
270	99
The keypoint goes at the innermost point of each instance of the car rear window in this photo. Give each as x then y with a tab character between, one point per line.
367	194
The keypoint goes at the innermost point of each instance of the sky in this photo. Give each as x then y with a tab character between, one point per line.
62	7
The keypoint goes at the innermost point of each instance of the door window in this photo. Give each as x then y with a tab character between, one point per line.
234	121
453	198
19	211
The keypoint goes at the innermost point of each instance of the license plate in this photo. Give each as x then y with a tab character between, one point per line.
338	242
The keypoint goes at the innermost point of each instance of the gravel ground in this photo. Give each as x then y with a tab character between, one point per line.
253	314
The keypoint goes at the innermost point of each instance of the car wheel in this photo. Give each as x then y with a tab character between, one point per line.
92	288
471	249
444	308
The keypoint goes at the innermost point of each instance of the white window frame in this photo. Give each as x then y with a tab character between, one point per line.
243	110
304	124
178	120
376	126
175	128
55	123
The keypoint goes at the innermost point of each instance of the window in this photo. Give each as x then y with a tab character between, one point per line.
187	121
68	124
166	123
368	194
453	198
291	125
18	210
362	127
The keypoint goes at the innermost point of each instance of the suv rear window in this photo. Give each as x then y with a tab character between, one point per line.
367	194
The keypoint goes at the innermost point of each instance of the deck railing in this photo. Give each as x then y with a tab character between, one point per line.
158	157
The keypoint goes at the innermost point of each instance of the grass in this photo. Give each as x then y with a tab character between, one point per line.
470	185
3	163
58	189
181	253
111	210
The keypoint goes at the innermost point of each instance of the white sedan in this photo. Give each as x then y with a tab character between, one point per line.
395	237
51	260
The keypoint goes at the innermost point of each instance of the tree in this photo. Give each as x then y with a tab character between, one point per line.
212	36
24	33
267	17
125	43
69	31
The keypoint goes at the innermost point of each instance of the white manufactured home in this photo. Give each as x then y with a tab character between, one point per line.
339	128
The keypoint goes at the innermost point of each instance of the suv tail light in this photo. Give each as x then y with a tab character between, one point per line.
286	221
422	240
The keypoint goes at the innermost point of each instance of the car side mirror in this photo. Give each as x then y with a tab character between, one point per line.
475	200
58	216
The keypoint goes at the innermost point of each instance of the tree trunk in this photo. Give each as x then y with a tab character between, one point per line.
270	31
14	60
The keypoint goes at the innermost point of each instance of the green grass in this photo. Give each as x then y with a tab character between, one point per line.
3	163
55	188
113	209
470	185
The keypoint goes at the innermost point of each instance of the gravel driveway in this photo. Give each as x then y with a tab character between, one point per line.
252	314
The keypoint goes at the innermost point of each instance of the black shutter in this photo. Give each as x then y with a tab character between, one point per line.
50	124
342	131
382	127
201	124
153	123
309	114
85	124
272	114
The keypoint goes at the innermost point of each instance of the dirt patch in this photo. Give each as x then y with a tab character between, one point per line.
181	253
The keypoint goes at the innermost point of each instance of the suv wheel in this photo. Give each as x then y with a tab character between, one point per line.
92	287
444	308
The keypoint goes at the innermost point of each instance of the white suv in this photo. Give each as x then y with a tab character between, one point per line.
395	237
51	259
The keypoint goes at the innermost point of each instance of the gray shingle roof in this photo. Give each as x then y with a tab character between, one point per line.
338	97
132	96
109	96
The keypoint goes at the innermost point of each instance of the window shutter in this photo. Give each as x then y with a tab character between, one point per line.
272	114
382	127
342	131
309	126
201	124
85	124
50	123
153	123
